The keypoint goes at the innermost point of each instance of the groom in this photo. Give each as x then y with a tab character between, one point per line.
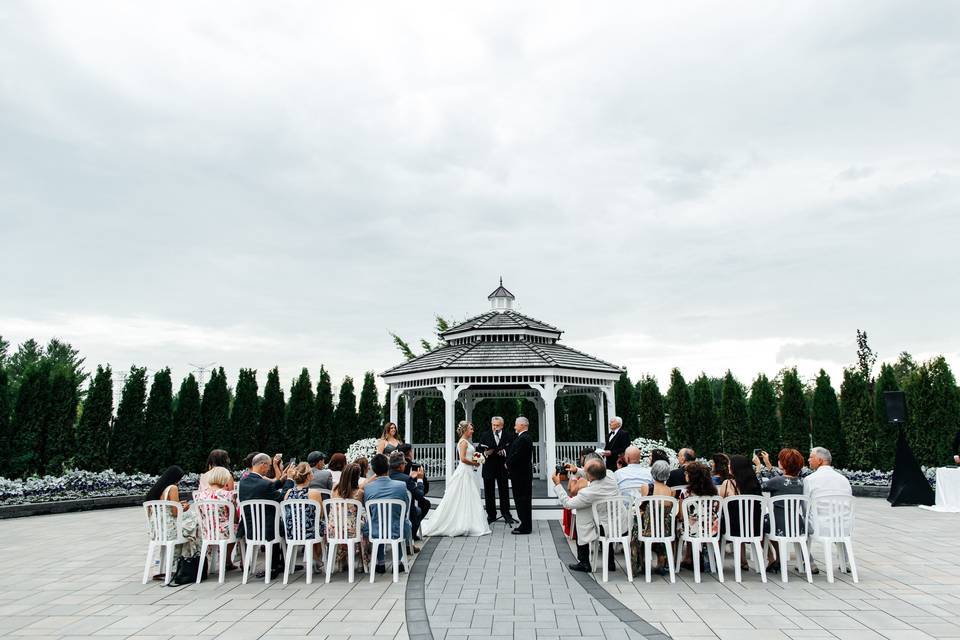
520	466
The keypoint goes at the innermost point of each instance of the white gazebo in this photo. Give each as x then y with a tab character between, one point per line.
502	354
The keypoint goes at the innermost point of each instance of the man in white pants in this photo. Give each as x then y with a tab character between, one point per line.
824	481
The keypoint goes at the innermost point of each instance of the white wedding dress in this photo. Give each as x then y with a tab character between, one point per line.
461	512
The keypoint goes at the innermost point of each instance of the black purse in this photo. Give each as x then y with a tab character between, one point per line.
187	569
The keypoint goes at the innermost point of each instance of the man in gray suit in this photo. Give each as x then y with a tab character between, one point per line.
322	477
382	487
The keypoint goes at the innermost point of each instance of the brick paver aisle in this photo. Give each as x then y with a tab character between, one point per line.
504	586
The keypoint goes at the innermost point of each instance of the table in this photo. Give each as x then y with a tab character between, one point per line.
948	490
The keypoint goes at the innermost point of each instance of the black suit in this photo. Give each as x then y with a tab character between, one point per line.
417	512
617	443
256	487
677	477
520	465
496	478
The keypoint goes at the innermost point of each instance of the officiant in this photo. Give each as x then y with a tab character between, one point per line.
493	445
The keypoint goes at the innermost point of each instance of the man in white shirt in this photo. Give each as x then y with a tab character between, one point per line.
634	475
824	481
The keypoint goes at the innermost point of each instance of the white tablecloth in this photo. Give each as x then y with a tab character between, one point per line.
948	490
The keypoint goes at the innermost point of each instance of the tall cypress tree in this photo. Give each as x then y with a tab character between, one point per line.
368	412
158	418
858	419
93	431
215	412
933	411
5	433
762	415
60	446
188	448
886	433
126	441
29	425
704	418
733	417
650	408
794	418
345	417
243	415
679	432
626	404
825	420
272	428
324	413
300	416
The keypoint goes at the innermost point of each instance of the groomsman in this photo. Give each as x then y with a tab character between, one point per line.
495	474
617	442
520	465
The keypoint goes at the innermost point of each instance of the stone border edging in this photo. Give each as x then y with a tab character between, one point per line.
601	595
415	602
68	506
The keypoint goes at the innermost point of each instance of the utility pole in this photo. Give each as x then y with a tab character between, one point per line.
201	370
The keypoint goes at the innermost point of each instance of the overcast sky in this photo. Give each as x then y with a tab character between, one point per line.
709	186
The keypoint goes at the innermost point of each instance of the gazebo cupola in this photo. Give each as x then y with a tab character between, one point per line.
501	299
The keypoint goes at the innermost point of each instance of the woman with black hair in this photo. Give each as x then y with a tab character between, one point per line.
721	468
743	482
167	488
217	458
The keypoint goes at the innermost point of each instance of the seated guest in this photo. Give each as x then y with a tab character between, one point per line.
720	466
414	484
742	481
824	481
660	471
322	477
658	454
219	487
217	458
167	488
347	489
303	490
699	485
247	463
382	487
337	462
634	476
678	476
600	486
256	486
788	482
364	465
407	450
577	475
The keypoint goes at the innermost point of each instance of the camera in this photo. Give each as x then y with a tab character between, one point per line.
561	469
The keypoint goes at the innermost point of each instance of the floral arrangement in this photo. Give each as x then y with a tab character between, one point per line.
647	445
366	448
77	485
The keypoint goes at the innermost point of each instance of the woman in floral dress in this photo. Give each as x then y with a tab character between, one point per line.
167	488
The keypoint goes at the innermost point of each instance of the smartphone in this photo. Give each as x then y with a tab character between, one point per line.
757	452
293	461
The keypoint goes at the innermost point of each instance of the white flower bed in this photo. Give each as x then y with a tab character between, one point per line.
77	485
366	448
646	446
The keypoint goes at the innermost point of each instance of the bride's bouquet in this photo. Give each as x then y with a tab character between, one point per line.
478	457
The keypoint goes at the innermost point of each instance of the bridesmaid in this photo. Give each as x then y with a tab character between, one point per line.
389	440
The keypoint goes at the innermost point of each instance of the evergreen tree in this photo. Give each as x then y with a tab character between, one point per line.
626	404
827	428
60	445
215	412
126	441
243	415
300	416
368	412
858	419
93	430
27	355
762	416
158	418
904	368
29	423
272	427
886	433
5	433
324	413
188	449
733	418
582	418
62	355
866	357
794	419
345	417
650	408
933	411
704	418
680	431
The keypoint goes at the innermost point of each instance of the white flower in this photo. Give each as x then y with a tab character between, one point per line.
366	448
646	446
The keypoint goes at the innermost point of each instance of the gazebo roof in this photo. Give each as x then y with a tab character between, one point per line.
500	321
518	354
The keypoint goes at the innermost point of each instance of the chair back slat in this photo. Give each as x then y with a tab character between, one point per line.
832	517
255	514
160	528
748	515
701	517
381	516
611	514
338	512
216	519
298	513
661	514
788	513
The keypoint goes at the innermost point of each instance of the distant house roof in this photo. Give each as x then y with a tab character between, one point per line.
505	320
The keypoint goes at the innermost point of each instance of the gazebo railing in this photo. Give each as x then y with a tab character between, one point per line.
569	452
431	456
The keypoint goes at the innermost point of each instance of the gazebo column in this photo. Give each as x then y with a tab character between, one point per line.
449	405
601	425
468	403
394	405
611	403
409	401
548	395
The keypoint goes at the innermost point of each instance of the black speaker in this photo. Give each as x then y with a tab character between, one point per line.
896	404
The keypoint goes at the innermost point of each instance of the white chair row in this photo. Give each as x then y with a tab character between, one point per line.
831	517
216	524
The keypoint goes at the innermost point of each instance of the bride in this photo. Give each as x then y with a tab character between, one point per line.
460	512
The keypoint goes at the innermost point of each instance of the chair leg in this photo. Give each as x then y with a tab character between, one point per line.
350	561
222	558
373	559
626	558
606	554
719	557
783	549
695	550
287	562
828	559
842	558
395	553
151	551
736	562
308	561
331	552
247	558
761	561
203	558
805	552
267	563
169	558
670	563
646	557
848	547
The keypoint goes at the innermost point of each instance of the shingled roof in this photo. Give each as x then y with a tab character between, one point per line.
505	320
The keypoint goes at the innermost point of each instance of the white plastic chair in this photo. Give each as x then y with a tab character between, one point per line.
255	515
615	523
212	516
748	521
298	513
162	537
662	514
832	520
794	525
337	511
699	515
326	494
381	517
